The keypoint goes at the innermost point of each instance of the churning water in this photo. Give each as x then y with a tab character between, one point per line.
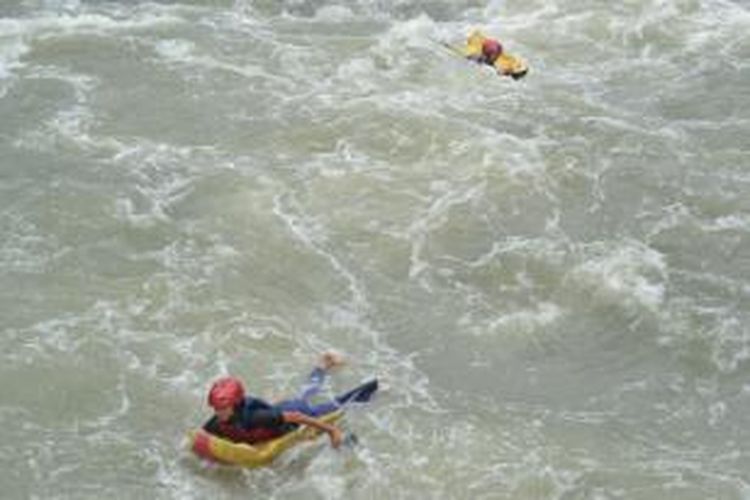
551	276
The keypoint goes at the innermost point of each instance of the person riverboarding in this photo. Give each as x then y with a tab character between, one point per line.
246	419
489	51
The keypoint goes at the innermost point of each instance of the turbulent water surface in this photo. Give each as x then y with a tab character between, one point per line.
550	276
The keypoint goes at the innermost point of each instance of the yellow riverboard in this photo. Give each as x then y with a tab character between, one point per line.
214	448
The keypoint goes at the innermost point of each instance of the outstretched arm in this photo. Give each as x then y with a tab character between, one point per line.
334	433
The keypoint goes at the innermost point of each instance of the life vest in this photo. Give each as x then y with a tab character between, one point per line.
237	430
233	432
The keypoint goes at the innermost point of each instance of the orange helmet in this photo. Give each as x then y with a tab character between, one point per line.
225	393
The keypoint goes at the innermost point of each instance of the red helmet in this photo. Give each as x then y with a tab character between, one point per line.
226	392
491	48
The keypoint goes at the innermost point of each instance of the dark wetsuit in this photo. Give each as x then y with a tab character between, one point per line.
255	420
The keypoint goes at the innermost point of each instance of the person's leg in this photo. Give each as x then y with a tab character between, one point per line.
313	384
360	394
312	387
296	404
328	361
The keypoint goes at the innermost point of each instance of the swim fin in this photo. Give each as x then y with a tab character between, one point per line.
361	394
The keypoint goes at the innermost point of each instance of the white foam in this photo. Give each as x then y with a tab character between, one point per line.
434	217
70	125
17	34
631	272
732	344
175	50
731	222
415	33
527	321
11	52
67	24
334	13
184	52
25	247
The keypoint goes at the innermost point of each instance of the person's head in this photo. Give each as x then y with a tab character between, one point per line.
224	395
491	49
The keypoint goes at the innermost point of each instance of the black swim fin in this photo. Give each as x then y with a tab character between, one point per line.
361	394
